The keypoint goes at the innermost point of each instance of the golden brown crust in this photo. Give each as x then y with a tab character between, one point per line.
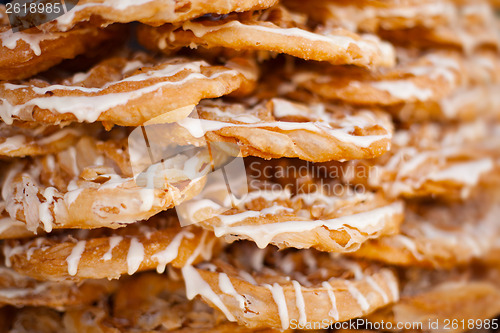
29	139
427	296
153	303
91	185
13	229
153	12
278	127
32	51
139	247
372	16
20	291
428	76
439	236
474	27
367	131
447	162
267	296
275	30
433	85
326	222
123	90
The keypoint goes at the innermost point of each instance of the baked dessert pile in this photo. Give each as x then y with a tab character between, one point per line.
251	166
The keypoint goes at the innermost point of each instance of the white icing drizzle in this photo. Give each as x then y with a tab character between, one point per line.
319	126
208	266
286	265
248	277
334	312
196	285
475	245
360	299
44	209
11	251
148	194
468	235
283	108
9	177
60	134
355	268
89	108
467	173
171	251
235	218
371	281
299	301
99	160
195	206
310	260
113	242
263	234
12	143
465	96
393	287
198	249
410	245
320	199
280	300
441	66
74	258
351	16
302	279
114	181
135	256
80	77
32	249
23	292
257	259
404	90
18	292
208	249
268	195
6	223
406	161
66	21
10	39
71	196
51	163
133	65
227	287
370	44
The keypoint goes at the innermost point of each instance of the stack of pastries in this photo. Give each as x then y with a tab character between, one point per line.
366	139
